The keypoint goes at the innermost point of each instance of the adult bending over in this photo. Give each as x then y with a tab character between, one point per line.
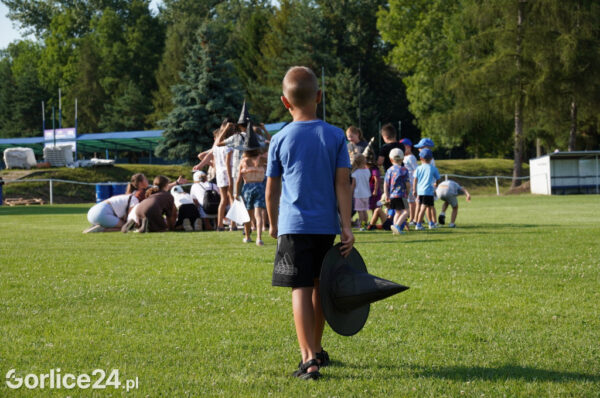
110	214
159	203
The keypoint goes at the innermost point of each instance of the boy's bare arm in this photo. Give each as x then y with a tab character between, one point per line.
344	199
272	195
414	187
386	190
238	183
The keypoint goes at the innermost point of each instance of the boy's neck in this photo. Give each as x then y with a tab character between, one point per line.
389	140
304	114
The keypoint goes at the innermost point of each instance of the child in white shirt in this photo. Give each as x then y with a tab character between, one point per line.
361	188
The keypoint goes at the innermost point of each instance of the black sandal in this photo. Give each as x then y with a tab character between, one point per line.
302	371
323	358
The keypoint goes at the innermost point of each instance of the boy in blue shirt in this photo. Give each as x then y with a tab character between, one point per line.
308	182
426	177
395	187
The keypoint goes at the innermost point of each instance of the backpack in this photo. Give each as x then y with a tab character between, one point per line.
212	198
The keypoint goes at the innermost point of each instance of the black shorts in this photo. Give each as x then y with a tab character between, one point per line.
426	200
397	204
188	210
299	259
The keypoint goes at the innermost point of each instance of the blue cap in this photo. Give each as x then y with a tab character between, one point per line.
426	153
406	141
425	142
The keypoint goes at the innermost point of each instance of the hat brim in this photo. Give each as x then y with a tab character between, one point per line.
346	323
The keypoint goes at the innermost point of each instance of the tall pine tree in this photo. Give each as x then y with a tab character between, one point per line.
209	92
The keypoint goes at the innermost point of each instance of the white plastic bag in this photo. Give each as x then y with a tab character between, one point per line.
238	213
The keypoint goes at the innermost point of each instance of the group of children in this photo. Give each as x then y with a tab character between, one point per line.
409	190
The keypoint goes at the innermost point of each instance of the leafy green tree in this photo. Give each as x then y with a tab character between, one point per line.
567	84
21	93
210	91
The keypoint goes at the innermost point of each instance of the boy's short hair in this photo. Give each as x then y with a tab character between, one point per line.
300	85
389	131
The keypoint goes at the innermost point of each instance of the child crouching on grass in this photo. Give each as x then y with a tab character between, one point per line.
361	188
395	187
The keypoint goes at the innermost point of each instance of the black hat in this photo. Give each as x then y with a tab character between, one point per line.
369	152
251	141
244	116
347	290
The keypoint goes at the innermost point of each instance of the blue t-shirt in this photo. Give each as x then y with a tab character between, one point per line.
396	178
427	175
306	155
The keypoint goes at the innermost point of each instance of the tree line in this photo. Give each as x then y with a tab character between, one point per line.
491	78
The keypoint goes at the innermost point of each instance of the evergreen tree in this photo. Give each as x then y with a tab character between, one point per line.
128	112
182	18
342	93
209	93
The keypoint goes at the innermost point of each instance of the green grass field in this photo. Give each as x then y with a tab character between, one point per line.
508	304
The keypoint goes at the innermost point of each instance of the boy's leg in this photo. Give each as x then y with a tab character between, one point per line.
319	316
431	214
402	218
305	322
444	207
421	213
454	213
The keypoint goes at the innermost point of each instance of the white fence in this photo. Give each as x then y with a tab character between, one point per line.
496	179
51	182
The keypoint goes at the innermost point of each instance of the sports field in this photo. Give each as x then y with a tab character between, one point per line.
507	304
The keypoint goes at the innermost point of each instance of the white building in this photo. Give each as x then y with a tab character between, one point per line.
561	173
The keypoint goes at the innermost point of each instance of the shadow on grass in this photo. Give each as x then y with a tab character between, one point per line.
505	372
469	373
399	240
42	210
502	226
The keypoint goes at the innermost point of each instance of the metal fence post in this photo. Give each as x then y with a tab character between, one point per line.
497	186
51	193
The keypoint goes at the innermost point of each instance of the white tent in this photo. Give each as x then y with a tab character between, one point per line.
565	173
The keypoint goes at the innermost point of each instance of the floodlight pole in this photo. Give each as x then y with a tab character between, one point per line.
43	119
53	128
359	99
75	129
324	107
59	110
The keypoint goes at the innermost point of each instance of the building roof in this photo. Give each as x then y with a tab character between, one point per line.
572	154
134	141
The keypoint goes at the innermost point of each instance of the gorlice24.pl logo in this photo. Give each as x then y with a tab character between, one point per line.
98	379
